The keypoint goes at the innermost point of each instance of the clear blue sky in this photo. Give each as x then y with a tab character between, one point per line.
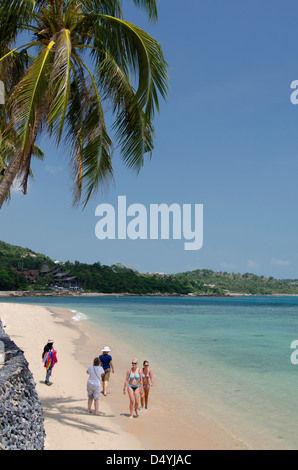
227	138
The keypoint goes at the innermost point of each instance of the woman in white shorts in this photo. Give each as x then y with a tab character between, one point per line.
94	384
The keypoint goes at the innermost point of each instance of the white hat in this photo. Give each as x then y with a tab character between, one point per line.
50	340
106	349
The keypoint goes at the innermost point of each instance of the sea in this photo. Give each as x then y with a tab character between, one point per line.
232	358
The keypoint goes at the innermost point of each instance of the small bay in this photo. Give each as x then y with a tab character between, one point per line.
228	357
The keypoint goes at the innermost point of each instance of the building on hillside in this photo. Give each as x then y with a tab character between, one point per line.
45	269
30	274
65	279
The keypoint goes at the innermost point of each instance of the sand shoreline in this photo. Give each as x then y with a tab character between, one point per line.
67	423
28	294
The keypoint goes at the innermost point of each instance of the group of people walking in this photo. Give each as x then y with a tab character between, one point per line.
99	376
137	381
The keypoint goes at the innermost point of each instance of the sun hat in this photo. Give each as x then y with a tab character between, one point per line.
50	340
106	349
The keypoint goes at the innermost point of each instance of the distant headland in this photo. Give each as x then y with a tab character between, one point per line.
23	272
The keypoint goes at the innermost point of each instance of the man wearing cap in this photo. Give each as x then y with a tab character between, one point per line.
107	364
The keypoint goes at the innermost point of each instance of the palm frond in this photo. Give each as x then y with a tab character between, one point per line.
145	57
26	103
108	7
133	131
13	69
150	6
60	80
62	91
9	147
92	147
12	14
10	52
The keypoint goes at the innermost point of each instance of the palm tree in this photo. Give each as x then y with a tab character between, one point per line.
13	72
88	59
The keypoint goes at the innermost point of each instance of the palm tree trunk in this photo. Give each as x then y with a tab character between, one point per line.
8	178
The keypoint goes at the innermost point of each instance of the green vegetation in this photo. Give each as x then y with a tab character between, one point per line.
24	269
21	259
84	62
118	278
248	283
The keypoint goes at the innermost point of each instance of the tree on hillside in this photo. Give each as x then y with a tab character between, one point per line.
87	55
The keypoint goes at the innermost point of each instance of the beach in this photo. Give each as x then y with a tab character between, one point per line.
68	426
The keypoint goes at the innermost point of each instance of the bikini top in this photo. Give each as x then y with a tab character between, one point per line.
134	376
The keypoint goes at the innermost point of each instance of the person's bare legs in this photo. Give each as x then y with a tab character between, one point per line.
146	396
131	400
142	399
90	400
137	399
96	403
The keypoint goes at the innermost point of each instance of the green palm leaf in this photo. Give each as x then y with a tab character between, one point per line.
133	130
92	146
150	6
88	59
13	13
60	80
145	58
28	105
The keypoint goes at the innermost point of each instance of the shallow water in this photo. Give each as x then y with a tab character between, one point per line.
230	355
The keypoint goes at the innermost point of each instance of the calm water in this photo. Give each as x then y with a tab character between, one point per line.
232	355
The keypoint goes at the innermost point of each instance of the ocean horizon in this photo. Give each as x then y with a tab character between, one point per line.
228	357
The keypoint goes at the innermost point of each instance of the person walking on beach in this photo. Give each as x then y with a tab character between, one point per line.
49	358
147	383
96	373
134	383
107	364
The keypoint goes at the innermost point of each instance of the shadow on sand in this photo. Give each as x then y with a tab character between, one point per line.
67	412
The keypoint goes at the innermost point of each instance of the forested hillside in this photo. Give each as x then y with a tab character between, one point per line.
24	269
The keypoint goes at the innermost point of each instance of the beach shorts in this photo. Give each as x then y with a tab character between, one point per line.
93	391
106	377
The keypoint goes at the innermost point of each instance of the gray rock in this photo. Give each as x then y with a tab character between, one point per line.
21	414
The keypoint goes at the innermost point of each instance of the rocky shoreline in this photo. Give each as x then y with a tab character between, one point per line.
67	293
21	414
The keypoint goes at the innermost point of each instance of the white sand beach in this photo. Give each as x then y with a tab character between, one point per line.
68	425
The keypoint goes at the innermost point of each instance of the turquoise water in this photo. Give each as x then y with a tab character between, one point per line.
230	357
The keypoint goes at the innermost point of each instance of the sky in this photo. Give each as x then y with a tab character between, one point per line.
226	138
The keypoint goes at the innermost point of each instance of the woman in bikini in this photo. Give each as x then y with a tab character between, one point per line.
134	383
147	382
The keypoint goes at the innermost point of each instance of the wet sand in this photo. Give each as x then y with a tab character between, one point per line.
68	425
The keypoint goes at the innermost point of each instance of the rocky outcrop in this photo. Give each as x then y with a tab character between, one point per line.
21	414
